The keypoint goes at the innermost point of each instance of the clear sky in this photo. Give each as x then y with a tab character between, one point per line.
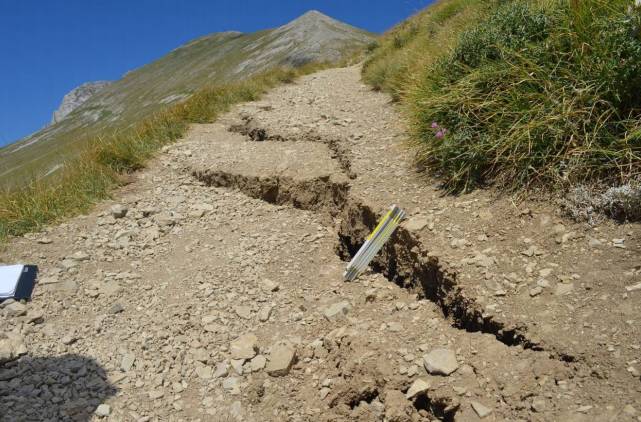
48	47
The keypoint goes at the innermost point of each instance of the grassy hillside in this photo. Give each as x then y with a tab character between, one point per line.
214	59
519	94
104	165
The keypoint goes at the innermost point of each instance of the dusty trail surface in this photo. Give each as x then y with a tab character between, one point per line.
218	294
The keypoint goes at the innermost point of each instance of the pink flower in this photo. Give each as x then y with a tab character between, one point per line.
434	125
440	134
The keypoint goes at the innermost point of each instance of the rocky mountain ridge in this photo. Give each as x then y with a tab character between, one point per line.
77	97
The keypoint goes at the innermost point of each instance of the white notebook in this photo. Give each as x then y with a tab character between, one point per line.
9	278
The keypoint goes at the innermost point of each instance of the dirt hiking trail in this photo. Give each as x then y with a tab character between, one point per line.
211	288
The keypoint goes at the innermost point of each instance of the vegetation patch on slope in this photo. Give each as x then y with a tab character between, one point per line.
104	164
524	94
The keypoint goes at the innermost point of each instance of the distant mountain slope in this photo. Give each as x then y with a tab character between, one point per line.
215	58
77	97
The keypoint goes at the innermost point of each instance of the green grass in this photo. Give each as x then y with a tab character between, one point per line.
530	94
104	164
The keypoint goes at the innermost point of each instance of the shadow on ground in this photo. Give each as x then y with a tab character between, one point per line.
62	388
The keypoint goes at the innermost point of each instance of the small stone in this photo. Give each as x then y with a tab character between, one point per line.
69	339
236	410
204	372
281	359
44	241
481	410
15	309
539	405
265	313
324	392
156	394
244	347
127	362
337	311
103	410
270	286
116	308
584	409
257	363
222	370
35	316
440	362
633	288
419	387
118	211
232	384
536	291
416	223
237	365
244	312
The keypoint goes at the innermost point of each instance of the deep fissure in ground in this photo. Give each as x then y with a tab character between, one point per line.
403	260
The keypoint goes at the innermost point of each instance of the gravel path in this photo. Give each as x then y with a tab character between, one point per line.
211	288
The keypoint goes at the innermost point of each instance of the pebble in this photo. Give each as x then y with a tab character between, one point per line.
281	359
337	311
419	387
440	362
103	410
244	347
481	410
15	309
118	211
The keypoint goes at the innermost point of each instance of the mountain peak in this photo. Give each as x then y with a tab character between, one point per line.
312	17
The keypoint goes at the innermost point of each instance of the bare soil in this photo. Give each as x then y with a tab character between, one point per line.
245	226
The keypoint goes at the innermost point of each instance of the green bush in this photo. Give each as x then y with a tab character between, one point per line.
535	95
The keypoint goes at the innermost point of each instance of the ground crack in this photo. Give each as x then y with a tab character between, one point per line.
403	260
336	147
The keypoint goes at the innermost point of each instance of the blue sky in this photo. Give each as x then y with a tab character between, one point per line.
49	47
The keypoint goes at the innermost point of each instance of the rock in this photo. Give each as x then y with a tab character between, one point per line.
103	410
118	211
416	223
281	359
237	365
15	309
337	311
539	405
204	372
324	392
35	316
265	313
244	312
440	362
69	339
222	370
232	384
481	410
156	394
116	308
633	288
127	362
244	347
270	286
44	241
419	387
11	347
257	363
536	291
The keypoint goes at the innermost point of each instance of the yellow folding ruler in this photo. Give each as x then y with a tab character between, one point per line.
374	243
